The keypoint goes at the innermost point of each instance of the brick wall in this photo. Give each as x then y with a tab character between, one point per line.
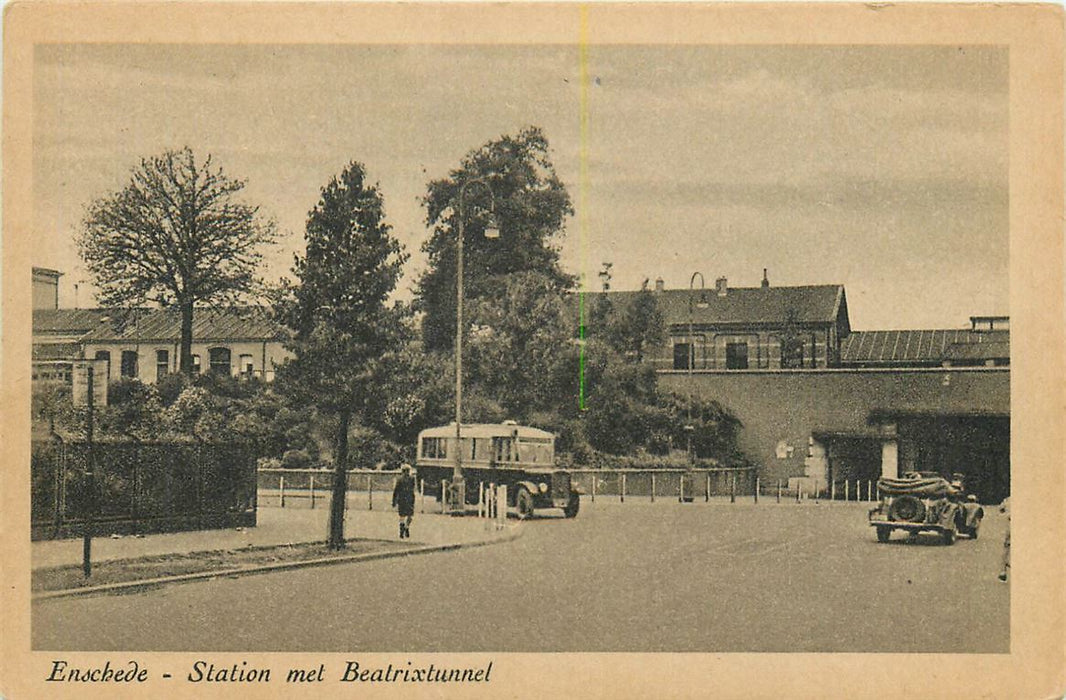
783	408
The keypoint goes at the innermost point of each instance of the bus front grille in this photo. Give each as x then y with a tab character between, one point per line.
561	485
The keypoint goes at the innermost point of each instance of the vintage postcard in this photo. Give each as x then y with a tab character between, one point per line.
605	350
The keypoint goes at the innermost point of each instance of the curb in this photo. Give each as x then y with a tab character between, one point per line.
513	532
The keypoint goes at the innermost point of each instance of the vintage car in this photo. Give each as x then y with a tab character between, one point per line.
925	502
517	456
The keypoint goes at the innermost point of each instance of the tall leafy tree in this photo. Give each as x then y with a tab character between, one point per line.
531	206
338	313
518	339
637	325
174	235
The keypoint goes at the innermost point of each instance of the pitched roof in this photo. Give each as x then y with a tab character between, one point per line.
209	324
743	305
928	346
56	351
67	321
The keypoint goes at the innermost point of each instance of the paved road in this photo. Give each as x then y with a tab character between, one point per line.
620	577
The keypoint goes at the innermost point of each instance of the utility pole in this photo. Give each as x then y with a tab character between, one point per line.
90	482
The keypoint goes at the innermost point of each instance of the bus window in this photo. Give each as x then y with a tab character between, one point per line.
434	448
501	448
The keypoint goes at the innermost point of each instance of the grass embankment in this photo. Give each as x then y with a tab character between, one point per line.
159	566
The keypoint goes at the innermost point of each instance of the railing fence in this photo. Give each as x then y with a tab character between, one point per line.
312	487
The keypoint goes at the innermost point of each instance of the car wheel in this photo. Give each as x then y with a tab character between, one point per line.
948	537
883	533
524	503
907	509
572	506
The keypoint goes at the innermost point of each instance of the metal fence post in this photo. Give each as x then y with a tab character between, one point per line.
312	492
868	485
370	492
756	488
281	487
733	487
422	494
833	490
778	490
681	488
623	495
653	487
443	494
847	490
594	480
707	493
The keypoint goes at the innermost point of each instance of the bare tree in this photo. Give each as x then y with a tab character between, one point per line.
174	235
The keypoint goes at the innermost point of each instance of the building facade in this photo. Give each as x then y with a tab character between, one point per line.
748	328
822	404
46	288
144	344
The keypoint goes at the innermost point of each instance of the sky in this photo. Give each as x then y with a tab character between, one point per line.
881	168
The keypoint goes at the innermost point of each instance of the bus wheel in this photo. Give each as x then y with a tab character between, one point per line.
572	506
524	503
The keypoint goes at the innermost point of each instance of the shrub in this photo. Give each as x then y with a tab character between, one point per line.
295	459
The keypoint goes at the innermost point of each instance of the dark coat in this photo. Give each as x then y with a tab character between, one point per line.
403	495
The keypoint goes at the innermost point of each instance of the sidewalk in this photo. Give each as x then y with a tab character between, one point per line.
276	526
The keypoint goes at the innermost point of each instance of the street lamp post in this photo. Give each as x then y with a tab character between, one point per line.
702	303
491	231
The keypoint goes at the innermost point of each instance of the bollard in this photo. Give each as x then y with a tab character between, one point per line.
833	490
312	492
594	480
281	485
756	489
733	488
707	493
481	499
422	494
369	493
653	488
868	490
622	498
847	490
681	488
778	490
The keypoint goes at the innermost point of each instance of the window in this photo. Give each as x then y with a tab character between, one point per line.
220	361
736	356
195	364
162	364
536	450
682	355
791	353
434	448
129	363
105	355
246	367
502	449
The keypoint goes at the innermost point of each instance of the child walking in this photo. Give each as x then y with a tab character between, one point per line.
403	499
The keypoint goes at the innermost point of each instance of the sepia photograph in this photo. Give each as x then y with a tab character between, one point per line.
392	359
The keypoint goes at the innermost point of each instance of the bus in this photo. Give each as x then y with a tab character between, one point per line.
518	456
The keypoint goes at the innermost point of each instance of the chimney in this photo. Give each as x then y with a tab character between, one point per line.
659	284
720	284
765	279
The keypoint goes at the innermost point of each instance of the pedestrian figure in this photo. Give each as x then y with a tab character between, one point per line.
1005	508
403	499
